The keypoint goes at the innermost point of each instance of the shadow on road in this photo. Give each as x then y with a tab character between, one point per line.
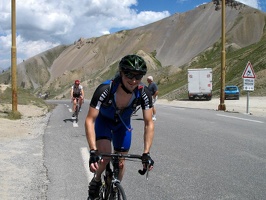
69	120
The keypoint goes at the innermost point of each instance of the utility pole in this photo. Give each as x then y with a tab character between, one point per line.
232	4
222	105
14	58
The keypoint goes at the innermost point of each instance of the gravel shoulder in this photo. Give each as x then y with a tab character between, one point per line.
22	173
254	106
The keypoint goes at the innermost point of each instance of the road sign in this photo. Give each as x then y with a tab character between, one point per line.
248	84
248	78
248	72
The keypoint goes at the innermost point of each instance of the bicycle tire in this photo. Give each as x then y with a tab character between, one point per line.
77	112
120	191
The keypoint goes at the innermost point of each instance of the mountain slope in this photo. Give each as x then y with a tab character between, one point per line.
166	45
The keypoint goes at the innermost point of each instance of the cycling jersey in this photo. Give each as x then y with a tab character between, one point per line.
77	90
113	123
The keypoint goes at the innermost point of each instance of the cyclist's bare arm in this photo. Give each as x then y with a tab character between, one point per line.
148	131
82	96
71	93
90	132
89	127
155	94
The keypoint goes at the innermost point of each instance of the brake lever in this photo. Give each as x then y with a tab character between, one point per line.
147	175
142	172
145	170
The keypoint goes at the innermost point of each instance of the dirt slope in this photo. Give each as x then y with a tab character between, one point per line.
172	41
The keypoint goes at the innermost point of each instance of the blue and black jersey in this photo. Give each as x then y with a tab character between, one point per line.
112	122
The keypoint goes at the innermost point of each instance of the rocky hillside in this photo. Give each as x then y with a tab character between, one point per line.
170	46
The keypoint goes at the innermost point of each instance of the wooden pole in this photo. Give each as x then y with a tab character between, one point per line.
222	105
14	58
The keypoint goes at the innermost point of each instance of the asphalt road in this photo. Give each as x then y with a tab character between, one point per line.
199	154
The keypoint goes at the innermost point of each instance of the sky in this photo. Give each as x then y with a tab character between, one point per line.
44	24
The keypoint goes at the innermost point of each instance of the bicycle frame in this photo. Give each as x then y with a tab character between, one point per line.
135	111
112	184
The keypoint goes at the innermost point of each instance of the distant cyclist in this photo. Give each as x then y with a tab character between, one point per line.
109	117
76	92
154	92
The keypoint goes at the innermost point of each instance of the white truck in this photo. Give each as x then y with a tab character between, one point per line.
200	83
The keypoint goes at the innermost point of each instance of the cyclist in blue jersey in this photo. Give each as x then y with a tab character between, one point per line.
109	115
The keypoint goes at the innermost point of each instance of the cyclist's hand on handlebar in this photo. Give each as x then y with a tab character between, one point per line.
147	161
93	162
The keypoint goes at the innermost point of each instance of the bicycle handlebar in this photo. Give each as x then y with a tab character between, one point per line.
119	155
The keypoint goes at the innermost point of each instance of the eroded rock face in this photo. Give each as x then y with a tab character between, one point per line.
173	41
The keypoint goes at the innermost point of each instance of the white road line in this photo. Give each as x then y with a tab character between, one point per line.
178	108
175	107
250	120
85	157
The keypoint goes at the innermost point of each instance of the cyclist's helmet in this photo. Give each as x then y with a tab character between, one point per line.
133	63
77	82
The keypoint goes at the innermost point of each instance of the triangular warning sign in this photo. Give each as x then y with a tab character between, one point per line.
248	72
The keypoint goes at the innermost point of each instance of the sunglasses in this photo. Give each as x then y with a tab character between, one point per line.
131	75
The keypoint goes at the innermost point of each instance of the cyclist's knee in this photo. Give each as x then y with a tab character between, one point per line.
105	161
121	163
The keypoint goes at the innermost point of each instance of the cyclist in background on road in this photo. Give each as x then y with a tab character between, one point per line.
76	92
109	117
154	92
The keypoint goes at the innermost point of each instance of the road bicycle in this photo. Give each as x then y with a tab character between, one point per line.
111	188
77	109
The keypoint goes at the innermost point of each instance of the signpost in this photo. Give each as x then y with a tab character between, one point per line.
248	81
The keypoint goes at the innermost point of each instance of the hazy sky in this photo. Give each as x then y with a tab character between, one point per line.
44	24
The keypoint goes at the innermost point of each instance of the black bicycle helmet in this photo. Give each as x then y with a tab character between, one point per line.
133	63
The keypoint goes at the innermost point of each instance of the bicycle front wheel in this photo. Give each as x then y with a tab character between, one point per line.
118	193
77	113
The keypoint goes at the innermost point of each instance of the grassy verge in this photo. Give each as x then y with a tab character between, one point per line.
24	97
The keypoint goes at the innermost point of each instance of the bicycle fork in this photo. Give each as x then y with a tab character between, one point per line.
106	188
111	179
